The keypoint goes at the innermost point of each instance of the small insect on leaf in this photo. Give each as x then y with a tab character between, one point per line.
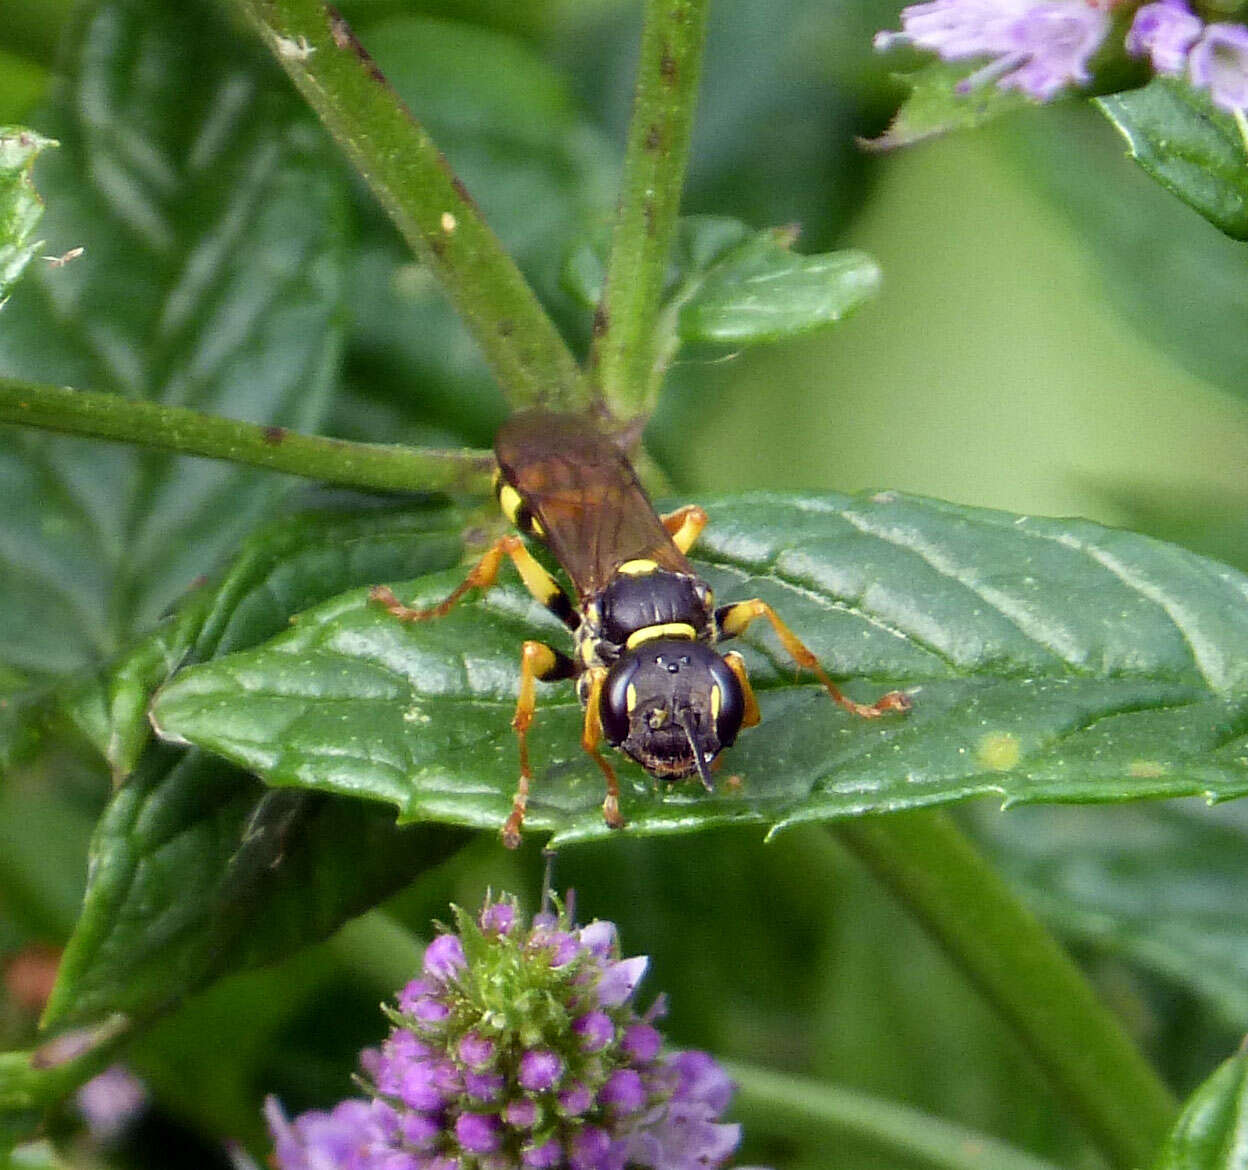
646	666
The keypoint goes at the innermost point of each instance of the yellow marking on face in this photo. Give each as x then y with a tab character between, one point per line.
999	750
588	653
510	502
717	699
638	568
666	630
630	698
536	526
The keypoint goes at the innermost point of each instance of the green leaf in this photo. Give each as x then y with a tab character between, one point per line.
1189	146
935	105
701	242
729	285
210	211
1048	660
197	868
285	567
1212	1130
20	205
1160	884
764	292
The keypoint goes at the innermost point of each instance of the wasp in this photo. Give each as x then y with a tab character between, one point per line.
646	629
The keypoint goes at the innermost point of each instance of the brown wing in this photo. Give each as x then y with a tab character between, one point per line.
583	491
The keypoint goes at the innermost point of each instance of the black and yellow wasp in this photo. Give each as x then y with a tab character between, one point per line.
646	627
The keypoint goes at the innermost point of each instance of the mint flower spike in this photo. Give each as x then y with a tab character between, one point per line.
1214	57
1038	48
519	1047
1164	32
1218	62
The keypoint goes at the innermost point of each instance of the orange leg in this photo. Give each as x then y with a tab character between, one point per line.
482	576
734	619
537	661
685	525
591	736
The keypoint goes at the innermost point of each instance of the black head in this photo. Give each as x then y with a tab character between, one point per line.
673	705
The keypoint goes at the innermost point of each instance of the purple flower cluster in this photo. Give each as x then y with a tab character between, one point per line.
1178	43
1042	47
1038	48
521	1048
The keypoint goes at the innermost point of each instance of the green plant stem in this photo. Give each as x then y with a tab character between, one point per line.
429	205
376	466
778	1102
625	359
1017	965
30	1082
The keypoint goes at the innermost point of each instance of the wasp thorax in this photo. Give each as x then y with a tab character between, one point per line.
672	704
648	598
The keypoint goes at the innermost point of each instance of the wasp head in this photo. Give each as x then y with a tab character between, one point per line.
673	705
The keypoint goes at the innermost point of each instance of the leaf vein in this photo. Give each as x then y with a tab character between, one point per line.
769	571
1044	631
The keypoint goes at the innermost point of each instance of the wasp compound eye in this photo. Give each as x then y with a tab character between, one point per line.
727	703
615	707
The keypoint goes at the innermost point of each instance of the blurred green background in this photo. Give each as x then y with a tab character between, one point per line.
1055	335
1024	354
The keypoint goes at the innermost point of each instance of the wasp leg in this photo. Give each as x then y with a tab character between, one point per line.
685	525
482	576
732	620
737	665
591	736
537	661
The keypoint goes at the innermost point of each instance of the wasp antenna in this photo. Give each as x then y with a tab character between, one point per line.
704	769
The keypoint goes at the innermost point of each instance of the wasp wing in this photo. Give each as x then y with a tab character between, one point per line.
584	494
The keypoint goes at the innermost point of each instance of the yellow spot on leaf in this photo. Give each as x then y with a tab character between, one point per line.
1147	769
998	750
